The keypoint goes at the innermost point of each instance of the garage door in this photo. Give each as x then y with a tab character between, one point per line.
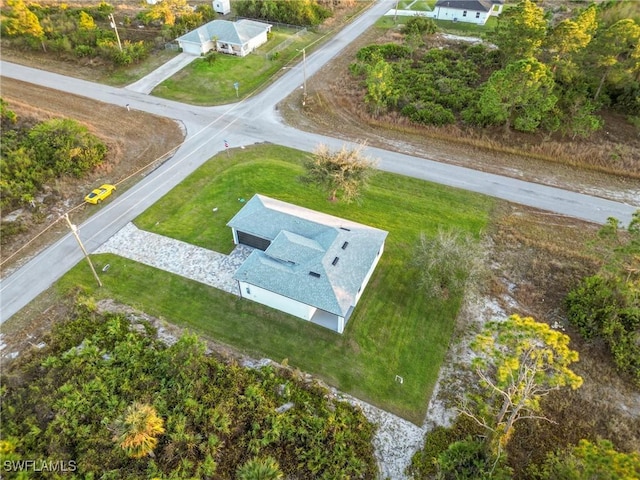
253	241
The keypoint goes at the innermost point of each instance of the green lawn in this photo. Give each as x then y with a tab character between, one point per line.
125	75
204	83
464	28
395	330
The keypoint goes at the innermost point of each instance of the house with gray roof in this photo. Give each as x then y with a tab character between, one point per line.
470	11
235	38
306	263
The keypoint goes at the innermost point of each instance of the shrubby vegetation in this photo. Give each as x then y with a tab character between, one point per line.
343	173
542	77
86	32
109	395
294	12
519	361
33	155
448	262
589	460
607	305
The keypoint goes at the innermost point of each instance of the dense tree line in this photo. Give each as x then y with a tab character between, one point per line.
87	32
109	395
541	77
34	154
294	12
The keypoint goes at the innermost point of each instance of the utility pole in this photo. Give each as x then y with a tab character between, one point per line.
395	14
304	75
74	230
115	27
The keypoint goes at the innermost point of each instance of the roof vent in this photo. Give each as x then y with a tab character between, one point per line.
345	245
314	274
346	229
335	261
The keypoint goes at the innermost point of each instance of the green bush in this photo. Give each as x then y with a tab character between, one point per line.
597	460
30	157
590	305
84	51
388	51
609	309
64	147
420	25
429	113
470	460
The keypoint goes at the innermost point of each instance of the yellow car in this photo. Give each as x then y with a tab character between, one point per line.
100	194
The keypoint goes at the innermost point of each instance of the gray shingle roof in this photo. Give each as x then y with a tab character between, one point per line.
306	241
234	33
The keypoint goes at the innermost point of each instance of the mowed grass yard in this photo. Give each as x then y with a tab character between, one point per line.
396	329
205	83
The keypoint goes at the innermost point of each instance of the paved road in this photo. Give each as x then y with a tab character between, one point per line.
245	123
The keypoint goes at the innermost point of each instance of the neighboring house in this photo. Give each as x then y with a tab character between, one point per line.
222	6
235	38
470	11
305	263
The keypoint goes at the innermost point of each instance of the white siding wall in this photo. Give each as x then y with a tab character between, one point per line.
273	300
257	41
366	279
443	13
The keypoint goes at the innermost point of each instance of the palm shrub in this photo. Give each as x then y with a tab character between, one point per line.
139	429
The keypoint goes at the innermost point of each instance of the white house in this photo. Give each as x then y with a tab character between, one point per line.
470	11
222	6
235	38
305	263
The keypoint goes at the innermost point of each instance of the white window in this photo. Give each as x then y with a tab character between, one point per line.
464	13
477	14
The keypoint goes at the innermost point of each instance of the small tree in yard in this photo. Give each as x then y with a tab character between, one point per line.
343	173
519	362
447	262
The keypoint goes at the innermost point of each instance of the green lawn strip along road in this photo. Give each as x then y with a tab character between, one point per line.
396	328
204	83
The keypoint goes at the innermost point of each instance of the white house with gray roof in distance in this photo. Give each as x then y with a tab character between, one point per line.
470	11
235	38
305	263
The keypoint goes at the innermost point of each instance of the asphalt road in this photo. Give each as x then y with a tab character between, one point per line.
251	121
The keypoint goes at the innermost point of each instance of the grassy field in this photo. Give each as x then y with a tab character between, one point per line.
204	83
395	330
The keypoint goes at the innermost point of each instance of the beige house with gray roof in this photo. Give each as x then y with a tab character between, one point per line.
235	38
306	263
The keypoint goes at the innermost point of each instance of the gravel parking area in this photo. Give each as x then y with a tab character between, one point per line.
199	264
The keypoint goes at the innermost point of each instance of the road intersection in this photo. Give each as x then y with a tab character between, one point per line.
253	120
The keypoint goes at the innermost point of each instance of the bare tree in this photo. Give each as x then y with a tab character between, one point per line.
448	261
